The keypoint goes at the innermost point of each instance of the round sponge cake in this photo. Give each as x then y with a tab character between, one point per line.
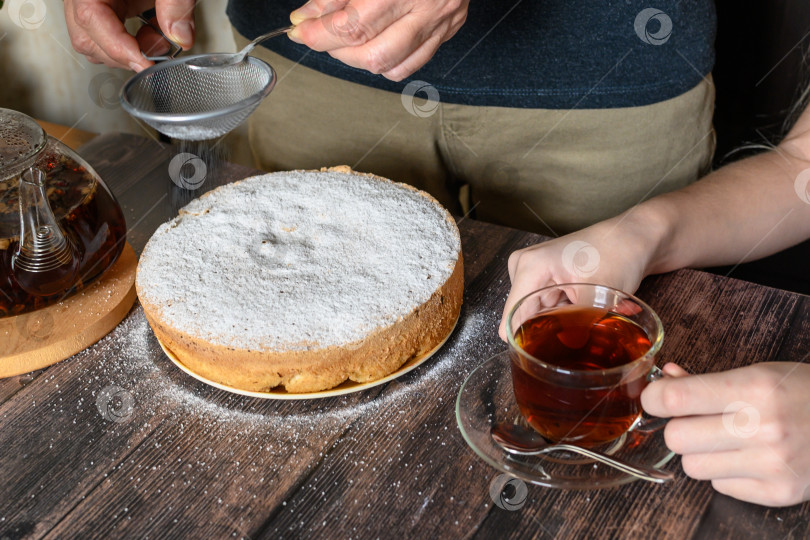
303	279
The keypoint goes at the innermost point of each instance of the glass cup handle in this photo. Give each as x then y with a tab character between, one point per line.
651	424
655	374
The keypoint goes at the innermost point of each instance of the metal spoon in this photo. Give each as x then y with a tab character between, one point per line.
521	441
218	60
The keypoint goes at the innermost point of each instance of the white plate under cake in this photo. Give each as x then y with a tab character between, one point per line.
303	279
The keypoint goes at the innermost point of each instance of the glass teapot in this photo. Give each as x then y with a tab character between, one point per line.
60	227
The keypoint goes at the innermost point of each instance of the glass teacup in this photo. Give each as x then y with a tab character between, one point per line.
581	355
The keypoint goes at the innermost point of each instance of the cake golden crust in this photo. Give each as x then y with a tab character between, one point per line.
314	370
317	368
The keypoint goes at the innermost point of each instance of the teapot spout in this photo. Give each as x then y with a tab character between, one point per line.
46	262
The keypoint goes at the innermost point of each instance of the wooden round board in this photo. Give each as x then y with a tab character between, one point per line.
347	387
46	336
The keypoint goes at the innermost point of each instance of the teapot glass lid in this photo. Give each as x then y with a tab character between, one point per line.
21	139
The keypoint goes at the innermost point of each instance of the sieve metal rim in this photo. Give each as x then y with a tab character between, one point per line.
175	118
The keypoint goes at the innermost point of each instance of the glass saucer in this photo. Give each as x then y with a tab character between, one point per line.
486	398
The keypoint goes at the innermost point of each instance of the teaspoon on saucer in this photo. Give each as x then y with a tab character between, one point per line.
521	441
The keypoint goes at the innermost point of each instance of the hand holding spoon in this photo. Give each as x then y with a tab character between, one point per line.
521	441
220	60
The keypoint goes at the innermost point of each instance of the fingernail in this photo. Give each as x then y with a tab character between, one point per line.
307	11
182	33
135	67
294	35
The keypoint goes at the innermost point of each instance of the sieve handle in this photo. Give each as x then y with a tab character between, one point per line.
174	49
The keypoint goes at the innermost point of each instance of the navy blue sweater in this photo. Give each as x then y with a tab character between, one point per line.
555	54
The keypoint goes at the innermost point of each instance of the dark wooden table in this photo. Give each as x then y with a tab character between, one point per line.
175	458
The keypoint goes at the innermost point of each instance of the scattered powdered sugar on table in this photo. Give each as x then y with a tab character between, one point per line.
287	260
181	434
135	362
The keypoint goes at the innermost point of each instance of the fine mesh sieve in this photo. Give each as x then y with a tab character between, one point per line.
185	102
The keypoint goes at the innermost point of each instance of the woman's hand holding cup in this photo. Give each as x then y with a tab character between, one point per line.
744	429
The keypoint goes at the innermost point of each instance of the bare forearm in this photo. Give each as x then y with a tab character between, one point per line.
741	212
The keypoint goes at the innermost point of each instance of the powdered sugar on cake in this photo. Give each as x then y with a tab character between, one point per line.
298	260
